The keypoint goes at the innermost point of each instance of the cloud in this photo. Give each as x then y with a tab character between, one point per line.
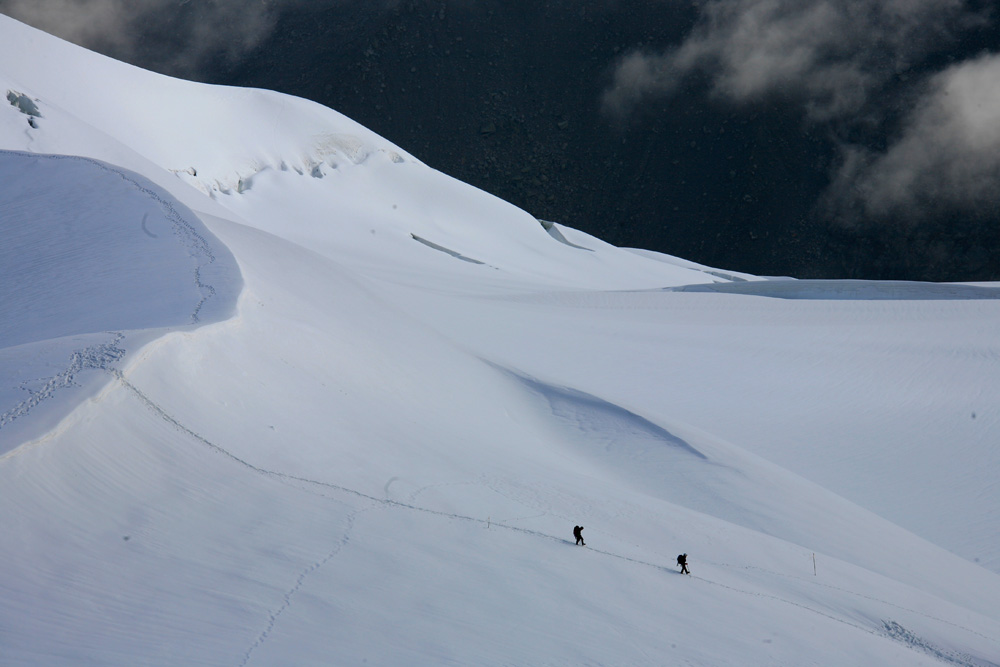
945	161
852	67
827	55
636	77
185	33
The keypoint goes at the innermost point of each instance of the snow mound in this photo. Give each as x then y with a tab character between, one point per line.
89	247
90	252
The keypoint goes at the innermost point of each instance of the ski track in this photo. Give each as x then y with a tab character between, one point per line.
300	580
104	356
889	629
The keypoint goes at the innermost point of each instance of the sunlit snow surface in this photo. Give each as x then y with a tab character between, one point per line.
275	392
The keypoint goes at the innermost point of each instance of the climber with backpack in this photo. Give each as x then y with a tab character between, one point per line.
682	560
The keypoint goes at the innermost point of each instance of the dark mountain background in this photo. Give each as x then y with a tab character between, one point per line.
507	95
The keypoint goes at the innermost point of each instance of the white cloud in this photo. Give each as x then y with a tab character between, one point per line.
828	55
837	60
637	76
946	160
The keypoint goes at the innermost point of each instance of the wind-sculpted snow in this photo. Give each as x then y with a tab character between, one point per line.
611	429
89	248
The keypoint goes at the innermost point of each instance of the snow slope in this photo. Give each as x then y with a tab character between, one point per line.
274	392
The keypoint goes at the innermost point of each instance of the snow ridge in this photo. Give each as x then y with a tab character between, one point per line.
197	246
78	264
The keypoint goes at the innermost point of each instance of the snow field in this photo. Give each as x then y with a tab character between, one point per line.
367	449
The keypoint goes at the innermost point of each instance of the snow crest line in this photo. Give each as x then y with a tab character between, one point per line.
101	356
886	631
